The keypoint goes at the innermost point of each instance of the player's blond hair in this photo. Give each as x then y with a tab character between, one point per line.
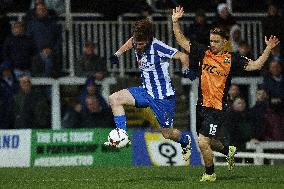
220	31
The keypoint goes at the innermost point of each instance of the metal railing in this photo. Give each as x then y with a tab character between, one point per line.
110	35
257	158
251	82
259	155
55	93
261	146
107	82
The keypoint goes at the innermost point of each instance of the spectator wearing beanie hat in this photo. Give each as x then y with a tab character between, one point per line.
224	18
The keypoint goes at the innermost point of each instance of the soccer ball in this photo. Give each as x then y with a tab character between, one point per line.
118	138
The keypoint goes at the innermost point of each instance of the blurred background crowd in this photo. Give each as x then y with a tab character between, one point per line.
32	48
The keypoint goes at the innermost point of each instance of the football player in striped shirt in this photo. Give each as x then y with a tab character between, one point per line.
156	91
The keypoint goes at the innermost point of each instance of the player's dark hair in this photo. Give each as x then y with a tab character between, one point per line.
143	30
220	31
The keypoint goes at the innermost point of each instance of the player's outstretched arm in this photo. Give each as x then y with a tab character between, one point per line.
181	39
183	58
185	64
125	47
272	42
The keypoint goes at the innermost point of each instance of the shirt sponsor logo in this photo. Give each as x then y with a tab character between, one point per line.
227	60
213	70
143	64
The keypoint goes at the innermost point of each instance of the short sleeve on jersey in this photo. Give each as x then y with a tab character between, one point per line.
163	49
239	63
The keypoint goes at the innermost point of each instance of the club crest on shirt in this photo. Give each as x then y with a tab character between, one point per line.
167	115
167	118
143	64
227	60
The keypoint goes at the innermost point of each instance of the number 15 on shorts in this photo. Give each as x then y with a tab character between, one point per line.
213	129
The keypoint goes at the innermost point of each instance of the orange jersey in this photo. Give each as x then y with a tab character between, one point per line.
215	76
215	71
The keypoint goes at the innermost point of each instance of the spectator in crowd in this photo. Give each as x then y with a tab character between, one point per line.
239	125
71	117
5	121
57	5
235	38
91	64
91	89
274	121
257	113
31	107
8	76
273	24
19	49
224	18
273	81
31	13
47	38
145	11
244	49
199	30
96	115
233	93
8	87
5	29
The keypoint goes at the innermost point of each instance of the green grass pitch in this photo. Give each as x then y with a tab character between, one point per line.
140	177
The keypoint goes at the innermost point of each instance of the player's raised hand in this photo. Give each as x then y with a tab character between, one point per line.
272	42
177	13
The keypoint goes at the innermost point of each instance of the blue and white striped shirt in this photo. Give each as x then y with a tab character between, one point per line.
154	64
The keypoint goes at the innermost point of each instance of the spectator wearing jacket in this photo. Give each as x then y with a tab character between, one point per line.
239	124
273	81
31	107
46	35
91	89
91	64
8	87
257	114
19	49
95	115
199	30
274	121
57	5
5	29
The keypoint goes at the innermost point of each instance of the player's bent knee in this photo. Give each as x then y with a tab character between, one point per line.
121	97
166	133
